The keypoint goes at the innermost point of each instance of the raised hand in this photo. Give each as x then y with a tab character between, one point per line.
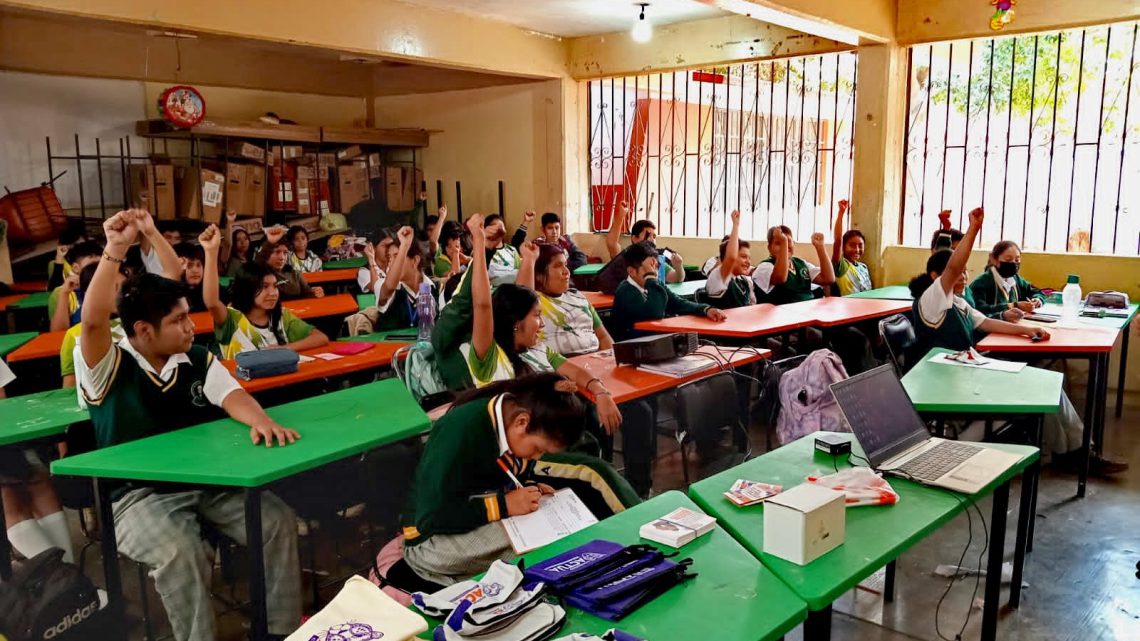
735	216
274	234
120	229
442	212
977	217
61	253
944	219
843	207
70	284
529	251
475	226
528	217
145	223
210	238
817	239
406	235
370	253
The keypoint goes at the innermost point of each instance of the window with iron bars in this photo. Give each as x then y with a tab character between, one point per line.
1041	130
772	139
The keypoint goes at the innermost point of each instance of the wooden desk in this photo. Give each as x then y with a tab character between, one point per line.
833	311
628	383
378	356
335	305
743	322
1091	343
599	300
330	276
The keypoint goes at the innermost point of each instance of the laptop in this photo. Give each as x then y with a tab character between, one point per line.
897	442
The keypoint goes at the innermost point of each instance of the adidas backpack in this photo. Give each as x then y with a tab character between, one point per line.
48	599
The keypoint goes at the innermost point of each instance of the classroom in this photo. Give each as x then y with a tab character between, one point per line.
581	320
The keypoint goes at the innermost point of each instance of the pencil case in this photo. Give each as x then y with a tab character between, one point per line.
348	349
267	362
574	566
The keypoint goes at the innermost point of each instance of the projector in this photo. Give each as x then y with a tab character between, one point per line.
654	349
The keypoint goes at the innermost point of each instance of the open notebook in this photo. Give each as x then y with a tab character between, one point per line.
558	515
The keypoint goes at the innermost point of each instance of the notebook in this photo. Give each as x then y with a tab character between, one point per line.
558	515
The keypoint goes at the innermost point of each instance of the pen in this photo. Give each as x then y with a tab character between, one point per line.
514	478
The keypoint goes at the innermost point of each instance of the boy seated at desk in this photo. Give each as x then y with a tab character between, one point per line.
551	228
643	231
152	260
192	258
944	319
157	380
397	295
379	254
785	278
274	254
255	320
729	284
60	268
63	301
642	297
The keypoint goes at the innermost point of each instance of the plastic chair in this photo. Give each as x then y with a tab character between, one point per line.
898	335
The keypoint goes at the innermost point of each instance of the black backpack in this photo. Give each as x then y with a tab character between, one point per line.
48	599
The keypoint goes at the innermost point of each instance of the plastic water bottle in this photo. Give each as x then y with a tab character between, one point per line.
1071	299
425	312
662	266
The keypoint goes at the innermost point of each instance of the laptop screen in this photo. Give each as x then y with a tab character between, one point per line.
880	413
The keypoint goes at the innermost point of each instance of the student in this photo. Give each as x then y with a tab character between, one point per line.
1001	288
643	231
552	235
71	338
944	319
235	251
192	257
371	276
728	285
33	514
851	276
152	262
433	226
77	257
255	320
274	254
947	237
450	259
59	268
156	380
462	489
396	297
300	258
641	297
503	260
785	278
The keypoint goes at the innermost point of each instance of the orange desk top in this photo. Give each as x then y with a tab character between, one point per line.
599	300
841	310
628	383
1062	339
379	355
336	305
30	286
43	346
330	276
743	322
5	301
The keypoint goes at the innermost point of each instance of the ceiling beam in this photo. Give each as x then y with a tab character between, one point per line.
940	20
848	21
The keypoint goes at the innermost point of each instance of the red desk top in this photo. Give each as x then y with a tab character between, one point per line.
30	286
1062	339
628	383
336	305
841	310
599	300
379	355
330	276
743	322
5	301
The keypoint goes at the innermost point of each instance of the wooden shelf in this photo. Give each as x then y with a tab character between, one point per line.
385	137
254	129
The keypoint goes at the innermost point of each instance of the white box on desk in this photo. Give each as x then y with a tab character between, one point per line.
804	523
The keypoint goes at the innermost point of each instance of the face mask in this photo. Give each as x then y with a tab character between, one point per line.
1008	269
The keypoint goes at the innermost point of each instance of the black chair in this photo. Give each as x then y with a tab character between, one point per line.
768	404
705	408
898	335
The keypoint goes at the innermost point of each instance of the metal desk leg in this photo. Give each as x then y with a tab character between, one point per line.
5	549
1123	369
1090	423
1036	485
1025	517
818	625
889	583
258	624
993	565
110	549
1101	407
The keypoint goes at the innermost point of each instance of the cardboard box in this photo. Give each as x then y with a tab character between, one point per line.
375	166
349	153
200	194
152	187
804	523
287	152
283	187
235	187
250	225
248	151
353	183
310	223
253	202
401	185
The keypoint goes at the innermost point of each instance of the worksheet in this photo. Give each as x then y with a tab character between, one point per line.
558	515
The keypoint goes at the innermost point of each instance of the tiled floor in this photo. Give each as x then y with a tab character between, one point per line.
1080	577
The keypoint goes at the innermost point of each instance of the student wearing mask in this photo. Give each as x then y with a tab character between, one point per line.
274	254
1001	288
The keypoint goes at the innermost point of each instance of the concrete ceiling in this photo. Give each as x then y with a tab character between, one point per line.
574	18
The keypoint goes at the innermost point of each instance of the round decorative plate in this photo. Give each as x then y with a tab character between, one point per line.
182	106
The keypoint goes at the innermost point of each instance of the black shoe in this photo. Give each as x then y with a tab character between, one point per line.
1098	465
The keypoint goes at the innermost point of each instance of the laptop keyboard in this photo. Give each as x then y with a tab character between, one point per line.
938	460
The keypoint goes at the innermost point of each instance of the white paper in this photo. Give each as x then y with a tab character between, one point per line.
328	356
988	363
558	515
305	359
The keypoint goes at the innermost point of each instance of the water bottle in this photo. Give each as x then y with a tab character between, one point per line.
425	312
662	266
1071	299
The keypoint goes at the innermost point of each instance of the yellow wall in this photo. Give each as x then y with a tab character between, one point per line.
245	104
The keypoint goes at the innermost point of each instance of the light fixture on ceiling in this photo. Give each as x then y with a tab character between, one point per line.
642	31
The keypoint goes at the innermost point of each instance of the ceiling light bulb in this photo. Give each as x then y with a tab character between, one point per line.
642	31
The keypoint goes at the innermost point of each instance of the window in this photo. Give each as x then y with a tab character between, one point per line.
1042	130
685	148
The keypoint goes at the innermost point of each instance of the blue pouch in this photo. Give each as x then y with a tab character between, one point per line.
570	567
267	362
625	593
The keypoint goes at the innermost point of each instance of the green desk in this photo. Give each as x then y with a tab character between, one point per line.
224	281
876	536
400	335
32	301
332	426
890	292
9	342
589	269
347	263
733	597
687	289
34	417
939	388
365	300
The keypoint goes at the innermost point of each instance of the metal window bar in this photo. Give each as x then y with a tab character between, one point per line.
688	149
1059	112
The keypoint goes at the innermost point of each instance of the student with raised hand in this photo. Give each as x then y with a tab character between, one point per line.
641	297
157	380
433	227
1001	289
274	254
465	481
78	256
729	284
503	260
256	319
552	235
60	268
851	275
450	259
152	258
643	231
785	278
396	296
372	275
301	259
236	247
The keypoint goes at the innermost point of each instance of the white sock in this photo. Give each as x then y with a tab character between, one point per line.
28	538
55	525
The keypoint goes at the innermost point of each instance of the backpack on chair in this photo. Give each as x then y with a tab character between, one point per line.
48	598
806	402
415	365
